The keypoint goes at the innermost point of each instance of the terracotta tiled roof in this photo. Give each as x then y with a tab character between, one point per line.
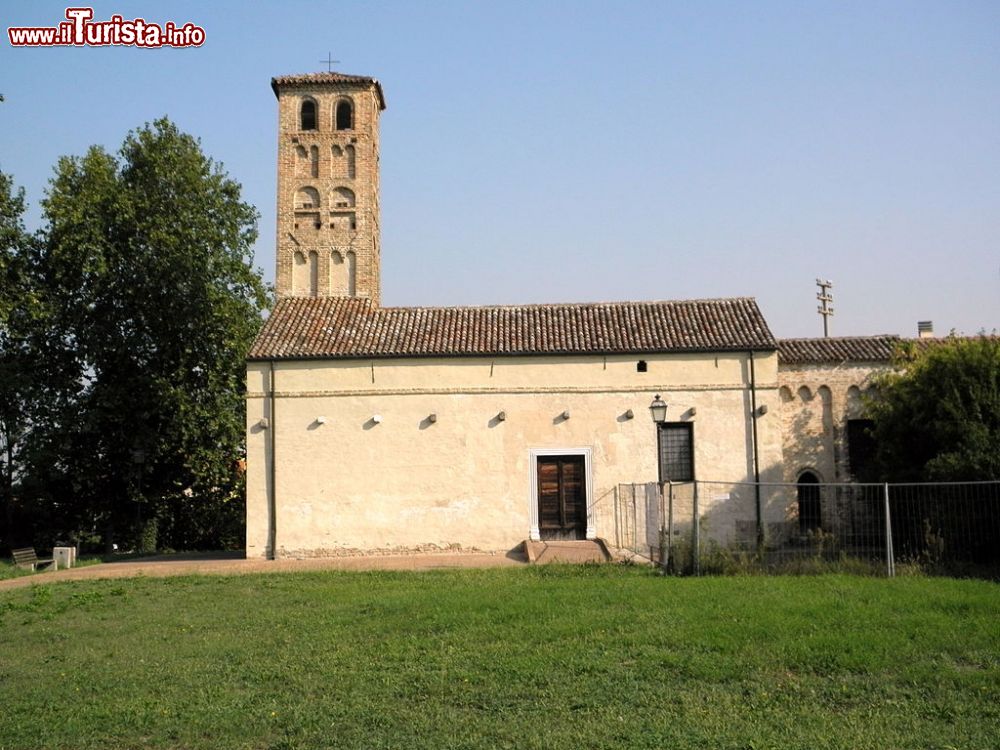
847	348
302	328
333	77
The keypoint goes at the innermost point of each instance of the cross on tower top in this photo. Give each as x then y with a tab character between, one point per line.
329	61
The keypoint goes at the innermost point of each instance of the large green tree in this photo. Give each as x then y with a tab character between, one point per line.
148	262
14	242
35	378
937	415
15	370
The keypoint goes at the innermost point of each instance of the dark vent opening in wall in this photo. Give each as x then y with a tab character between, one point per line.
641	366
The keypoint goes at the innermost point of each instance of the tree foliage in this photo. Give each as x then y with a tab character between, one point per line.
16	247
937	415
16	309
152	303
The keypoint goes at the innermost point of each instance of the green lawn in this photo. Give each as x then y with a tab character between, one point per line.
553	657
9	570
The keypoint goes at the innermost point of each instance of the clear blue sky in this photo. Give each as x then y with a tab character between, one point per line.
583	151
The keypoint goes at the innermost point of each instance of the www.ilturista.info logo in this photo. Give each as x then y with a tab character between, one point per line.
80	31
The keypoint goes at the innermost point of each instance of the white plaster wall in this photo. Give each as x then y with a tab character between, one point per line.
350	485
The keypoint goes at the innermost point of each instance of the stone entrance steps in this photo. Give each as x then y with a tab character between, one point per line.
581	551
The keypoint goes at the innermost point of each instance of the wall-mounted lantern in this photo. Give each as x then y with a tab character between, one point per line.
658	410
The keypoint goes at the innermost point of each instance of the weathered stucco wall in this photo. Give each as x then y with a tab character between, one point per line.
350	485
816	402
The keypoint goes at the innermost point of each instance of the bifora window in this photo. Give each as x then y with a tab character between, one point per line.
677	452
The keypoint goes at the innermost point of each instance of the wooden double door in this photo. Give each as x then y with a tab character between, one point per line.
562	497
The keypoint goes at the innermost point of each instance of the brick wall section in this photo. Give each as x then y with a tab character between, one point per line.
816	402
821	383
296	230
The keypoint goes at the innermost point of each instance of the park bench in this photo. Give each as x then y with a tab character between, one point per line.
26	558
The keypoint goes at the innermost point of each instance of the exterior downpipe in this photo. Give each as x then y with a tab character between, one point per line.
756	456
272	505
695	534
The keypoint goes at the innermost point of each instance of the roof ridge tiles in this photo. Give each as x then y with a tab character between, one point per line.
577	305
877	348
866	337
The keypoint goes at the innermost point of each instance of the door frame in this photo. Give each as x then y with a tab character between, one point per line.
533	455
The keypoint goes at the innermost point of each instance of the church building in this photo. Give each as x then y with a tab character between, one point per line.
381	429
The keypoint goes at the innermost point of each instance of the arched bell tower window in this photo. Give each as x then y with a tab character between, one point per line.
344	116
307	115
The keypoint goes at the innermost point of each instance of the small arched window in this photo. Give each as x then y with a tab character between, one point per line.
314	161
352	271
343	197
307	115
338	276
301	162
350	161
810	507
344	117
306	198
300	277
313	273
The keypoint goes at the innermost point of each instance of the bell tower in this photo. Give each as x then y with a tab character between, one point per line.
328	172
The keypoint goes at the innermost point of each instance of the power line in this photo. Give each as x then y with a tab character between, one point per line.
825	309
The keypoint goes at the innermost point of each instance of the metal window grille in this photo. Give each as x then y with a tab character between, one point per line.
676	452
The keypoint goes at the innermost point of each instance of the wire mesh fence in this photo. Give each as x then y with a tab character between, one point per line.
699	527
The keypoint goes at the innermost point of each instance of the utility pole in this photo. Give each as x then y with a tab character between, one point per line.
826	304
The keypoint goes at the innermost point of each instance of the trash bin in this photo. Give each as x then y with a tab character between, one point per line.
64	556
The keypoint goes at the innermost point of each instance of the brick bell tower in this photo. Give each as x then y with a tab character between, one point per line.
328	170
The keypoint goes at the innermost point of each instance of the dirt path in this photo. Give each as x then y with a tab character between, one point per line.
225	565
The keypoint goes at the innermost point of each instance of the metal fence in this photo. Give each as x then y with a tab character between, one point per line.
698	527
